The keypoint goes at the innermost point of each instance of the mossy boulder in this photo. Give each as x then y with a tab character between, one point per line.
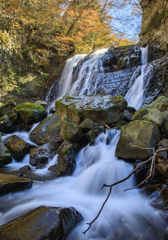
11	183
87	125
30	113
42	223
154	115
48	129
5	155
134	137
6	125
66	159
70	130
13	117
42	103
101	109
18	147
8	106
94	132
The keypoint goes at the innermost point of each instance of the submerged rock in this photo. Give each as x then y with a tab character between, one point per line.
98	108
10	183
134	137
52	223
5	155
48	129
30	113
18	147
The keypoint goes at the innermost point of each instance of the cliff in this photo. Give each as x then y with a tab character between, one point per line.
154	28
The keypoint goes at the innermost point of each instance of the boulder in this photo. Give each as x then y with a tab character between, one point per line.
17	147
165	123
41	155
94	132
5	155
30	113
155	116
8	106
135	136
42	103
66	159
52	223
70	130
101	109
10	183
13	117
87	125
48	129
6	125
162	169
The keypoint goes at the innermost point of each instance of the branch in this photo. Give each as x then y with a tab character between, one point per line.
150	174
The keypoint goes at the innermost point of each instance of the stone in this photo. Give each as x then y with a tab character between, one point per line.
101	109
30	113
48	129
141	134
5	155
165	123
12	116
25	168
155	116
10	183
41	155
66	159
94	132
70	130
42	103
42	223
8	106
162	169
87	125
6	125
18	147
52	109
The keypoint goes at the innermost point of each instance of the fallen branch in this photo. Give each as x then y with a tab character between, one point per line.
150	175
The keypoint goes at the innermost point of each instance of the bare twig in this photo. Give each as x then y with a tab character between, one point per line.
150	175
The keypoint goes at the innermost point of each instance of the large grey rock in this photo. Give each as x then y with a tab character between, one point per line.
5	155
155	116
100	109
52	223
70	130
6	125
10	183
30	113
48	129
141	134
17	147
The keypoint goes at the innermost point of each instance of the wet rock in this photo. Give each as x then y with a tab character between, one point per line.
141	134
87	125
13	117
30	113
8	106
70	130
25	168
18	147
52	110
66	159
48	129
10	183
52	223
100	109
42	103
94	132
141	173
54	168
40	166
41	155
5	155
6	125
165	123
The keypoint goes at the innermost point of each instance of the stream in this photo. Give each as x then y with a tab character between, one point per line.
127	214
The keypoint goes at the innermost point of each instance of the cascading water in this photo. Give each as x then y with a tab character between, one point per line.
126	215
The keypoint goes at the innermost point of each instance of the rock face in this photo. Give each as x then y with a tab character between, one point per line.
30	113
50	223
154	22
8	106
49	128
100	109
17	147
70	130
11	183
138	133
5	155
6	125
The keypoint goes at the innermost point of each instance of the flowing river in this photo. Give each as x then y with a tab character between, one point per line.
127	214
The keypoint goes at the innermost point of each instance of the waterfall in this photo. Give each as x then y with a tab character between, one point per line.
127	215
